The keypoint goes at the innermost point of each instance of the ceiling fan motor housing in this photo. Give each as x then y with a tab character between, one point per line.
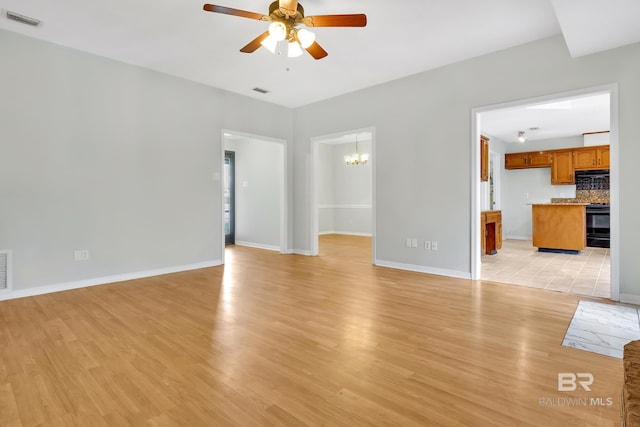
284	13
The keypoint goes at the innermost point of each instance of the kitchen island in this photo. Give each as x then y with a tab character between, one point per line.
559	227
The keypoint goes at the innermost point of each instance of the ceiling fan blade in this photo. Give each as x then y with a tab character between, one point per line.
357	20
235	12
289	5
255	43
316	51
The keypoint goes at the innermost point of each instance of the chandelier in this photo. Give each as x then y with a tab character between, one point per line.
356	158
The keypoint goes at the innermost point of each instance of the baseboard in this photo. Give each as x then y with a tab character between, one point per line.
302	252
258	245
630	299
346	233
423	269
517	237
59	287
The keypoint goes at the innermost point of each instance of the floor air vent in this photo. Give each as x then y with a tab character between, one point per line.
5	269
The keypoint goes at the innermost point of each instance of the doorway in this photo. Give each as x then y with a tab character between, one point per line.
343	192
229	198
561	104
254	191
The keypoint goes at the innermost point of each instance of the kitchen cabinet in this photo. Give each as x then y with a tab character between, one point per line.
516	160
603	157
484	158
530	159
562	171
558	226
540	159
563	162
587	158
491	231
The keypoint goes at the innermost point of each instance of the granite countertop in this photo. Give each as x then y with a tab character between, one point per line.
563	203
580	200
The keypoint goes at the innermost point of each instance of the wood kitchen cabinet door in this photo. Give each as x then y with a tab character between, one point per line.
562	171
603	157
540	159
585	158
529	159
516	160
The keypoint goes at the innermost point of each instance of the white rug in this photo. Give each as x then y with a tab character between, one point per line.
602	328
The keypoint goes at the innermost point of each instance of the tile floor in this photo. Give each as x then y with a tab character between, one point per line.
519	263
603	328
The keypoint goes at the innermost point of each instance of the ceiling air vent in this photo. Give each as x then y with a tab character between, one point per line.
259	89
5	269
22	19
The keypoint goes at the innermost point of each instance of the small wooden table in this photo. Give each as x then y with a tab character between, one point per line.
491	231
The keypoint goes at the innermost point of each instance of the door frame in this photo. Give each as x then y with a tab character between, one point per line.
476	127
313	187
232	196
284	212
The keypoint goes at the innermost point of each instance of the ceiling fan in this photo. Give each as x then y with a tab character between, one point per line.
286	16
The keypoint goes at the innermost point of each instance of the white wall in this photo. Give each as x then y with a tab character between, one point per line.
497	148
326	166
112	158
116	159
546	144
259	177
522	187
344	192
423	145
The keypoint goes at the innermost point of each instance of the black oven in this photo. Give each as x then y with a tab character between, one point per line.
598	225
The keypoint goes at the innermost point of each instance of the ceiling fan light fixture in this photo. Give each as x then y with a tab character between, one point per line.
270	43
278	30
294	50
306	37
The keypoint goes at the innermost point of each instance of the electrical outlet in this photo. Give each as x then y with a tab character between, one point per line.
434	246
427	245
81	255
408	242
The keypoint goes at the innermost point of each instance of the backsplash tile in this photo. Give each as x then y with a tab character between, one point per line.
598	182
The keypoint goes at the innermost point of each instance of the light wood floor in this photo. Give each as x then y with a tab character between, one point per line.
288	340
